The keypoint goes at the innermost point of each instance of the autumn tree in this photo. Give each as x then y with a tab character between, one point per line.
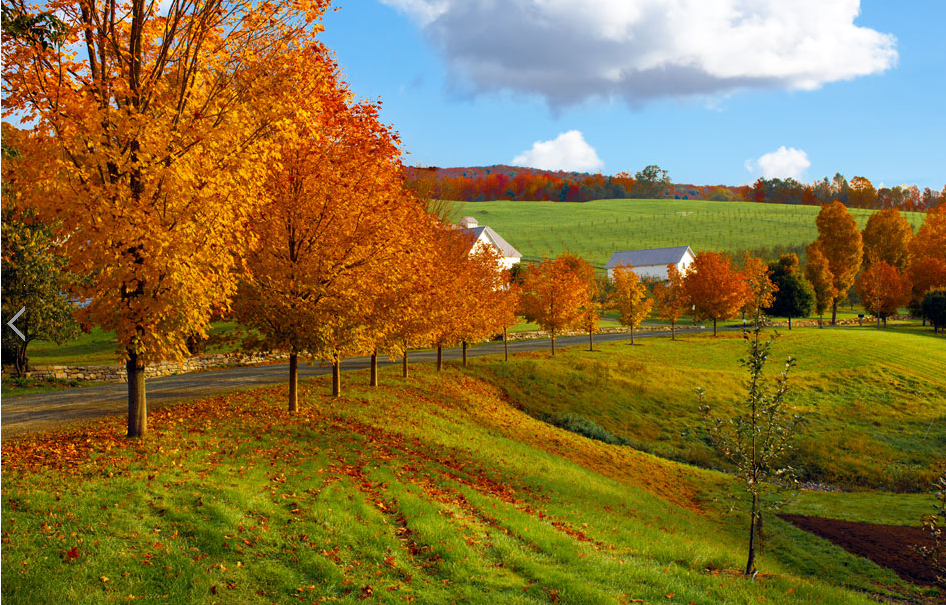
670	298
330	235
930	239
794	295
818	274
651	183
553	296
485	305
839	240
882	289
887	238
162	130
590	316
629	298
861	193
925	274
756	274
715	287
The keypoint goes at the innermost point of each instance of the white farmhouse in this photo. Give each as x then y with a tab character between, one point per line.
652	263
484	236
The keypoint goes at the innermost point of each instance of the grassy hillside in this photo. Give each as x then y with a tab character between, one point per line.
875	401
434	490
597	229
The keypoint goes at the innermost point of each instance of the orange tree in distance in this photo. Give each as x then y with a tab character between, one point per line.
670	298
840	242
760	291
715	287
330	235
930	239
553	296
887	238
882	289
485	304
818	273
161	125
925	274
590	316
629	298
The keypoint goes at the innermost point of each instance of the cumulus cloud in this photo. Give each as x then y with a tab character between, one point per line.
571	50
783	163
568	151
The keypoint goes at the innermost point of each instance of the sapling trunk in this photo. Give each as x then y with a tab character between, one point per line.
464	353
506	344
374	368
137	404
404	371
439	357
553	344
591	340
293	382
337	377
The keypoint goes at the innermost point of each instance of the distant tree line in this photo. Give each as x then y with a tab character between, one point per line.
491	183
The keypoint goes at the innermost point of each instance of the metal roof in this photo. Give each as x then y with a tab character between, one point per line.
649	257
502	245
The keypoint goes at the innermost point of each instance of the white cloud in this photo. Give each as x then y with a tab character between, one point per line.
783	163
568	151
571	50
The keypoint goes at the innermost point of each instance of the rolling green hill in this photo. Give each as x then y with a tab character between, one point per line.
595	230
435	490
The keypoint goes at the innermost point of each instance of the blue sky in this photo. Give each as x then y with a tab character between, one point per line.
714	91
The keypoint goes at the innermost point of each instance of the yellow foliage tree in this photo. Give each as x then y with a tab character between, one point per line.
161	125
670	298
629	298
887	238
839	240
553	296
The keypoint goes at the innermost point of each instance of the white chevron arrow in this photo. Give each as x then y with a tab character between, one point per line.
12	327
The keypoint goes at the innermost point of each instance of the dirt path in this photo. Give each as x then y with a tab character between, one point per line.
890	546
41	411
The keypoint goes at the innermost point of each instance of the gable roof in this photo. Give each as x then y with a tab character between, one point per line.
494	238
649	257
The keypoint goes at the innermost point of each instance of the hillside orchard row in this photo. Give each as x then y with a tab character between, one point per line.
223	167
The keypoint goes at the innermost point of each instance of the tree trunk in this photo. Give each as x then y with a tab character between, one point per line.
404	372
789	322
632	335
821	321
553	344
834	313
750	563
293	383
591	340
714	326
506	344
464	353
878	322
20	362
439	357
673	330
137	405
337	377
374	368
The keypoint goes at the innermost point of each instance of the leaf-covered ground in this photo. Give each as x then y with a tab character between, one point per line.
435	490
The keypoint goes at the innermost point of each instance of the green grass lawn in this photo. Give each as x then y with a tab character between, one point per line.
432	490
595	230
875	400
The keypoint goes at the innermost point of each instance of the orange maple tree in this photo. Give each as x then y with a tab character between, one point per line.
760	291
330	235
818	273
715	287
161	126
887	238
930	238
839	240
882	288
925	274
629	298
553	296
861	193
670	298
590	311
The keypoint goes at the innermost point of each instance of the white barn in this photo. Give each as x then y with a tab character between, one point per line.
484	236
652	263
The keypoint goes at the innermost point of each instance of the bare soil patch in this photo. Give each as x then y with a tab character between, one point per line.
891	546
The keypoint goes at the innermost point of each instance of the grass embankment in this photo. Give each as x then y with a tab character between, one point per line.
433	490
875	400
595	230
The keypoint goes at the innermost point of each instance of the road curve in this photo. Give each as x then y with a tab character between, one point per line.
41	411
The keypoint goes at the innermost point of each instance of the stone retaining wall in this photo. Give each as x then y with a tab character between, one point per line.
611	330
165	368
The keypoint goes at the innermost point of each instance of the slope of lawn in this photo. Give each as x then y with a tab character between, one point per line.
874	400
432	490
595	230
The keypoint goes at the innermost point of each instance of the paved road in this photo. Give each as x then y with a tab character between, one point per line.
27	413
